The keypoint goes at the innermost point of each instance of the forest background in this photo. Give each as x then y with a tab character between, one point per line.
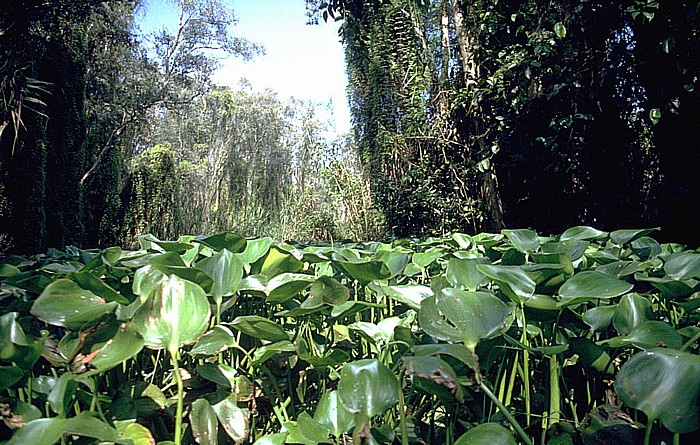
467	115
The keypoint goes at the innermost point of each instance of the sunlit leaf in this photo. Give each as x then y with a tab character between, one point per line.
367	387
204	423
64	303
176	313
333	415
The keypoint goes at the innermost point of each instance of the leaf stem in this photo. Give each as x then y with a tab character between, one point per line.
647	433
180	399
509	417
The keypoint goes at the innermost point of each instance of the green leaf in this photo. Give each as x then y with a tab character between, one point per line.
216	340
311	429
590	285
260	327
329	291
333	415
137	434
512	280
125	344
649	334
585	233
280	261
272	439
457	351
286	285
39	432
256	249
226	271
425	259
264	353
621	237
365	271
655	114
176	313
220	373
487	433
224	240
591	355
435	370
664	385
203	422
233	419
367	388
410	295
10	376
523	239
599	317
462	273
682	265
632	310
463	316
90	282
64	303
560	30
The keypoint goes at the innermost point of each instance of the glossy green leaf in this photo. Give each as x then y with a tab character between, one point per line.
590	285
279	261
176	313
410	295
462	316
395	260
329	291
333	415
224	240
256	249
233	419
632	310
272	439
259	327
264	353
286	285
365	271
585	233
203	422
682	265
216	340
90	282
524	240
463	273
312	429
64	303
124	345
665	385
226	271
512	280
367	387
463	241
39	432
649	334
655	113
487	433
599	317
425	259
628	235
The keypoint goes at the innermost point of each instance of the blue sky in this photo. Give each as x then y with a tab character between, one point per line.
303	61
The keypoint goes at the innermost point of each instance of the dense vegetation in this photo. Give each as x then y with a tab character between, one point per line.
583	338
469	117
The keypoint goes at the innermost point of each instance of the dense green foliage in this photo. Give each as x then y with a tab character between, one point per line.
476	114
582	338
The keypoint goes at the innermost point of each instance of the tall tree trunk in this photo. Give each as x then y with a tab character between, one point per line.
470	68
